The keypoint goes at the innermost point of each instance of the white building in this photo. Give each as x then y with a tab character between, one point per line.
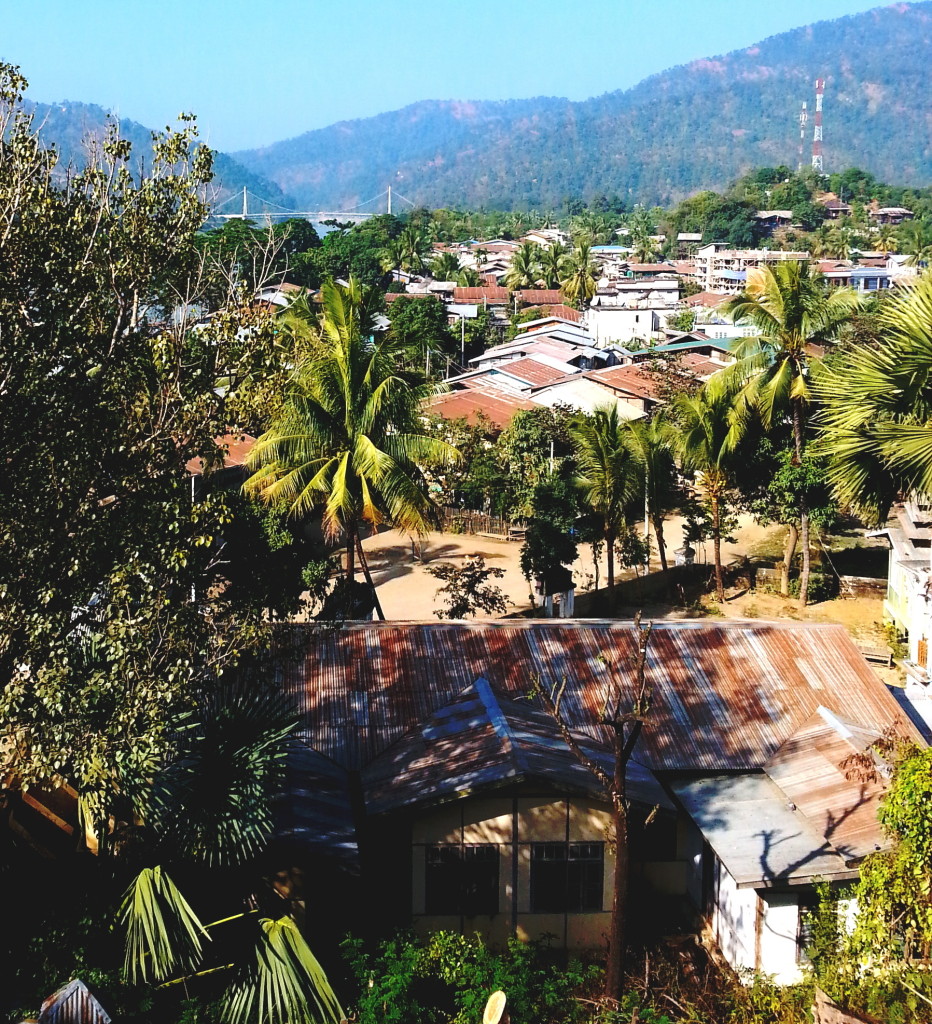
720	269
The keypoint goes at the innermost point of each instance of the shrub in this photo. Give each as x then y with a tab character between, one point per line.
822	587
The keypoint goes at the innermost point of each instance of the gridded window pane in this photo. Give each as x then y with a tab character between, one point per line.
462	880
566	877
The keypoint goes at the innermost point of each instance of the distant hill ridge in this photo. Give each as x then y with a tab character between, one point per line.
68	125
691	127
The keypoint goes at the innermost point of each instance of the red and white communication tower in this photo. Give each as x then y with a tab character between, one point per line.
817	130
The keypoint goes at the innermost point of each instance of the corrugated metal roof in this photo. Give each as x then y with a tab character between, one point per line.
534	371
482	738
759	838
808	768
73	1004
496	406
727	695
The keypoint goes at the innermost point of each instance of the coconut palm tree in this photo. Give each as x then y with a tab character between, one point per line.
705	446
885	238
445	267
609	476
468	277
792	311
915	238
876	420
347	439
579	283
392	256
524	271
652	444
552	265
415	246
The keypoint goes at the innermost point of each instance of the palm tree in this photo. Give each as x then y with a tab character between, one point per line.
347	438
652	444
445	267
609	476
415	245
524	271
885	238
392	256
468	277
877	411
210	808
552	265
915	239
792	311
578	286
704	443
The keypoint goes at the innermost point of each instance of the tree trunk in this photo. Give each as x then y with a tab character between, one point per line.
789	551
595	563
798	443
717	548
350	564
661	543
804	541
615	964
610	566
365	569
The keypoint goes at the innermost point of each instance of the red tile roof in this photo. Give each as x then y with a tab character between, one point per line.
652	268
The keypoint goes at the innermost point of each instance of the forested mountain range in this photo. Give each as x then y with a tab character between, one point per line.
69	125
696	126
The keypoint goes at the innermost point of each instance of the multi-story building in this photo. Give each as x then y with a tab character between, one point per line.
719	269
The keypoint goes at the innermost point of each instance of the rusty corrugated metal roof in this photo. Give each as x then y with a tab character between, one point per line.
73	1004
482	738
727	695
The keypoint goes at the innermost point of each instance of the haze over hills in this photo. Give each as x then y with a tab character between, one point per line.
68	125
691	127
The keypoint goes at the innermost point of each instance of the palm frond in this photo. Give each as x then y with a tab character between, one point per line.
163	934
285	984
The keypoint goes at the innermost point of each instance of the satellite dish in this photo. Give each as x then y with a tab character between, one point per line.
494	1012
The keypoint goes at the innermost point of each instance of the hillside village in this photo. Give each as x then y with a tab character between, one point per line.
660	752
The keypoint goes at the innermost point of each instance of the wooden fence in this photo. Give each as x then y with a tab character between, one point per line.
459	520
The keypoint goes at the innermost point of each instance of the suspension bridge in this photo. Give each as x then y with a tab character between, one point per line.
357	213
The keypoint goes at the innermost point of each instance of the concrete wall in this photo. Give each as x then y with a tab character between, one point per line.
756	930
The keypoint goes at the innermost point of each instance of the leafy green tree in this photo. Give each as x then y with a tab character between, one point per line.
536	443
347	440
466	589
683	320
876	410
112	399
549	544
915	239
790	308
610	476
419	327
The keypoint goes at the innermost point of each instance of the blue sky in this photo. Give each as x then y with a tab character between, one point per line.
258	72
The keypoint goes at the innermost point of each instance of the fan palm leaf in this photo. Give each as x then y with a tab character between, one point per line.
285	984
163	934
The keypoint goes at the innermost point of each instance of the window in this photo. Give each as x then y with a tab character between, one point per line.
566	877
462	880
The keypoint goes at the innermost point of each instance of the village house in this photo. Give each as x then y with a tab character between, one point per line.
890	214
423	762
